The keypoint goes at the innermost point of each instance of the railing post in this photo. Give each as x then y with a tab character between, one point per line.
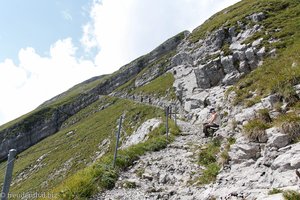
117	142
167	122
175	115
8	173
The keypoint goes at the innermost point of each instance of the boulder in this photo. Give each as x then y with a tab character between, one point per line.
209	75
244	67
141	133
231	78
257	17
237	46
231	31
257	42
242	152
239	55
276	138
261	52
227	63
288	160
250	54
270	101
181	58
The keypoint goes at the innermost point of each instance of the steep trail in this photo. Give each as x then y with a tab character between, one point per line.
165	174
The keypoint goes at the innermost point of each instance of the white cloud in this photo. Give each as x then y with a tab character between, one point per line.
124	30
37	79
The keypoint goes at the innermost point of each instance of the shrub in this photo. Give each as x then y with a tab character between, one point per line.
291	195
224	155
263	114
208	155
289	124
255	129
209	174
129	184
274	191
288	93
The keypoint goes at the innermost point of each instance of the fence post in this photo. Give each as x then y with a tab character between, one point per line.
167	122
8	173
117	142
175	115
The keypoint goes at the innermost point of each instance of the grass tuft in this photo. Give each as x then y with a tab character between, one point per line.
255	129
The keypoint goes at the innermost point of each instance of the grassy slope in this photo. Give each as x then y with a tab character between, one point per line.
93	127
159	87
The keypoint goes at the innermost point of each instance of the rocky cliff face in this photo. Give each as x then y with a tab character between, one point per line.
48	118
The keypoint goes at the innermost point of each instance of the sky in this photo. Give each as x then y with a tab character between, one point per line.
47	46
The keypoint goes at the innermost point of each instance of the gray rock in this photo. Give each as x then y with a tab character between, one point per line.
216	41
141	133
288	160
227	63
147	176
242	152
181	58
239	55
231	31
209	75
261	53
270	101
276	138
257	17
273	53
257	42
237	46
297	89
250	54
231	78
244	67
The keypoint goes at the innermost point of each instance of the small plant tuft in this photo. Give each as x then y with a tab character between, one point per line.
275	191
255	129
291	195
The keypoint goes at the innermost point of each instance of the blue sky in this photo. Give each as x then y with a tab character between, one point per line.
39	23
47	46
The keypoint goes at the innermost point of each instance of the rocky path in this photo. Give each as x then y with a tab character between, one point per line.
166	174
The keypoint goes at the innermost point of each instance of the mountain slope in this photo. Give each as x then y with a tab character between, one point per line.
243	61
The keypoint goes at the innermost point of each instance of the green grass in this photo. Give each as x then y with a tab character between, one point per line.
255	129
159	87
238	12
208	154
275	191
289	124
208	158
291	195
91	127
287	194
224	156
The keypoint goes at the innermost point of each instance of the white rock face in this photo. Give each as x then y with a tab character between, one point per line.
141	133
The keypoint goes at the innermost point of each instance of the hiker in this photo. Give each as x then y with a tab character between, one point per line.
211	123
